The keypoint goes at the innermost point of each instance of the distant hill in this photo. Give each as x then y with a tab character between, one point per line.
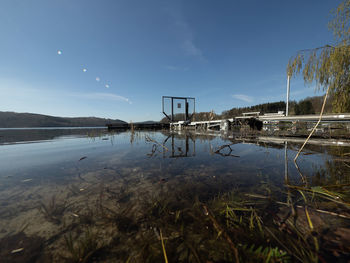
28	120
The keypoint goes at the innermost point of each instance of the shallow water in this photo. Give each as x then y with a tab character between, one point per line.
117	191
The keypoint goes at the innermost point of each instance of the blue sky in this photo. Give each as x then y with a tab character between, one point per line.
116	58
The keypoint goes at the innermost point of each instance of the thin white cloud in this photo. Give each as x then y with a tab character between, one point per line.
191	49
102	96
243	97
175	68
184	33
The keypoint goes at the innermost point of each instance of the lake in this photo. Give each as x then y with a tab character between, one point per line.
89	195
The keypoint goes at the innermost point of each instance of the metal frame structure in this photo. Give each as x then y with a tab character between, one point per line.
187	116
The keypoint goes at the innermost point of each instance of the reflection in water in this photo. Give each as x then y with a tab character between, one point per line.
17	135
286	162
179	146
101	198
182	147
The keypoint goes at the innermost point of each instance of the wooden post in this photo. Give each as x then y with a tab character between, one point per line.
288	89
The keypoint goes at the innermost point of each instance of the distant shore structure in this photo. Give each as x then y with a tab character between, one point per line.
180	111
178	108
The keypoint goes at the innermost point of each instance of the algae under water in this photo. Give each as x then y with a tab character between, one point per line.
94	196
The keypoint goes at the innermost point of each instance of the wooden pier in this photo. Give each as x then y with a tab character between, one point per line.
207	125
326	117
248	118
225	124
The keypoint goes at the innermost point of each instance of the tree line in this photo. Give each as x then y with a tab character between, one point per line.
309	105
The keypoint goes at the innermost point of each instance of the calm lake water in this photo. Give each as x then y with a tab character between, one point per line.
87	195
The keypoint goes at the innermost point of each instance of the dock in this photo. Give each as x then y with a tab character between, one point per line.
207	125
326	117
255	117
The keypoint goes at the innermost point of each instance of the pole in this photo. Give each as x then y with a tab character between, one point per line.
288	88
172	109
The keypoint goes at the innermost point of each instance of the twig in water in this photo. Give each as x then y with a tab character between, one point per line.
313	130
218	151
82	158
300	173
148	139
163	247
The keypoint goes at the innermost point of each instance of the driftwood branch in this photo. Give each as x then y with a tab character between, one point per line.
219	150
149	139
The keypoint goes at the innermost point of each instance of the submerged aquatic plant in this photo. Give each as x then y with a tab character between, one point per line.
83	248
267	254
53	211
188	224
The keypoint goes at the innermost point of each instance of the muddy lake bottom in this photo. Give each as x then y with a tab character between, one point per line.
87	195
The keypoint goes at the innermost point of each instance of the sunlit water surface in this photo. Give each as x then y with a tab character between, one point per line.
60	186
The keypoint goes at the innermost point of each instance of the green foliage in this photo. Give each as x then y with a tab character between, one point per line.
329	65
267	254
304	107
341	21
273	107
